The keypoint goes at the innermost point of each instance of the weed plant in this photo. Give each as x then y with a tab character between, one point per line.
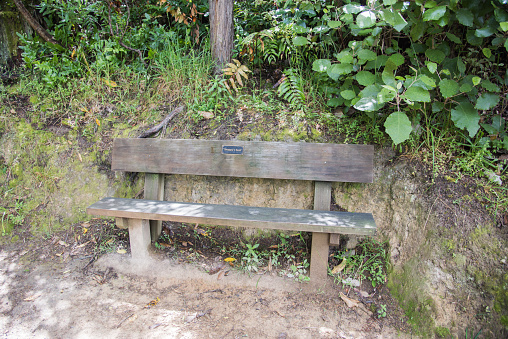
368	261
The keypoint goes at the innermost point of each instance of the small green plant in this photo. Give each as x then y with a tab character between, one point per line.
367	261
381	311
442	332
299	271
250	259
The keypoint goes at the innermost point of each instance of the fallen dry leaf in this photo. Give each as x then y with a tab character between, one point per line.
349	302
337	269
33	297
206	115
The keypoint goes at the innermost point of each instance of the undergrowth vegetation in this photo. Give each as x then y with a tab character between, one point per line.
428	77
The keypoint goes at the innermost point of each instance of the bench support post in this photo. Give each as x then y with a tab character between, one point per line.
154	190
320	241
139	237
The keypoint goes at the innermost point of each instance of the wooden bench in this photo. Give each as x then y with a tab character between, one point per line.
321	163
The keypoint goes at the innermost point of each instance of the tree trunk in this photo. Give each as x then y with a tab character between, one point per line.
35	25
221	31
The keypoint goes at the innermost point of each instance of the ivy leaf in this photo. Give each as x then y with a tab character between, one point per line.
487	101
417	94
434	14
348	94
465	17
300	41
464	115
448	88
366	19
435	55
398	127
321	65
365	78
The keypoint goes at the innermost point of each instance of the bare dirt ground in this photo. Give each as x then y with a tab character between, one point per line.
54	288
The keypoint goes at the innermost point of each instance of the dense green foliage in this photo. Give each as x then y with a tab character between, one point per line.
425	72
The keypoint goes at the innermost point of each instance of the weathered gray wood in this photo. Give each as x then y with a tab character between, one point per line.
335	239
139	238
240	216
275	160
320	248
154	190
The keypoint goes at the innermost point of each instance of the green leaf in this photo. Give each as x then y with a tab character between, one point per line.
430	4
386	94
365	78
348	94
487	52
300	41
476	80
432	66
506	44
334	24
366	54
453	38
417	94
428	81
366	19
334	102
489	86
465	116
368	104
321	65
345	57
353	9
389	2
448	88
504	26
461	66
397	59
417	30
473	39
465	17
485	32
487	101
435	55
339	69
394	19
434	14
398	127
466	88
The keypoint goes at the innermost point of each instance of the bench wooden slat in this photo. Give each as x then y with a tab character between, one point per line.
239	216
274	160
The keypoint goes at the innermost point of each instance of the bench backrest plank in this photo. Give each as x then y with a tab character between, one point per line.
258	159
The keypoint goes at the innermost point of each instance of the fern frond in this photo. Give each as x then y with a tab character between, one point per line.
291	89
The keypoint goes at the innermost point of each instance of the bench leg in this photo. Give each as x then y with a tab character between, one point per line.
319	257
139	237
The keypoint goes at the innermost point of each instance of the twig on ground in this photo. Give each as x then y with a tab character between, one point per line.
163	124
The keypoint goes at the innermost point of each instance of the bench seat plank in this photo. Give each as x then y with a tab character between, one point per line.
239	216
